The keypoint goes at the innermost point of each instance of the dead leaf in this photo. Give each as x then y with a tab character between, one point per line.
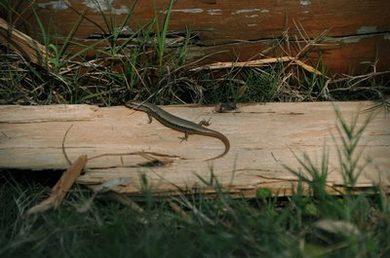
110	184
337	227
103	188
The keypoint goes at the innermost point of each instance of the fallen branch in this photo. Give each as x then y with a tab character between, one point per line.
22	44
61	187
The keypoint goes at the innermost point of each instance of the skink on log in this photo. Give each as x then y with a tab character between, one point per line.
178	124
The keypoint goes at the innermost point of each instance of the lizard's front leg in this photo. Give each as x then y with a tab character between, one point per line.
185	138
150	118
205	122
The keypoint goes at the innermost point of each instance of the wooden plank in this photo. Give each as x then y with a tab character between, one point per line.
345	55
349	55
222	21
240	29
263	137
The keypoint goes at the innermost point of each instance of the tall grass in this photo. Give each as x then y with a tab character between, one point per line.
161	33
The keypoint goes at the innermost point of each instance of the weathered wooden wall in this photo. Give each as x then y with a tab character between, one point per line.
359	31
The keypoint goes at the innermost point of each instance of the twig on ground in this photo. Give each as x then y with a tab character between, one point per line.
63	145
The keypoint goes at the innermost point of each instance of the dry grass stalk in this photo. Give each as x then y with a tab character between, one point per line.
176	208
257	63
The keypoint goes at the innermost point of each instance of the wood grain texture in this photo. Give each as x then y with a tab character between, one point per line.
345	55
241	29
226	20
263	138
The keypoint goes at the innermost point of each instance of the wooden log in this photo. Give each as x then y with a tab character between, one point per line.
263	138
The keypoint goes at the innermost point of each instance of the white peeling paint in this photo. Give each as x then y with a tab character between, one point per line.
98	5
58	5
190	10
305	2
350	39
105	5
366	29
122	10
252	16
214	12
250	11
